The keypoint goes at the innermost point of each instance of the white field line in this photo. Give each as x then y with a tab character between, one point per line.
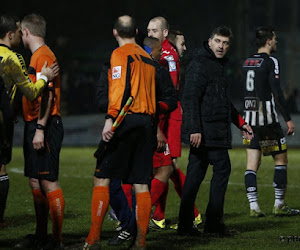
20	171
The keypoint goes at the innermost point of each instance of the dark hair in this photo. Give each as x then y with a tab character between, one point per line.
125	26
150	41
222	31
172	36
7	23
262	34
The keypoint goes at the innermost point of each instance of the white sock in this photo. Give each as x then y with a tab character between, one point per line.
279	203
254	206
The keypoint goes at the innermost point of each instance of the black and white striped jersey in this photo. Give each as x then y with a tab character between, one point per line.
262	91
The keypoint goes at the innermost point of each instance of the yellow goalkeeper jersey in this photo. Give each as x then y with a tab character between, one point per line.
14	74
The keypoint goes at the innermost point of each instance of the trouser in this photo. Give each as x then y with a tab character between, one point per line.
199	159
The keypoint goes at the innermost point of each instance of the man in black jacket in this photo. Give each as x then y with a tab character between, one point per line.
207	116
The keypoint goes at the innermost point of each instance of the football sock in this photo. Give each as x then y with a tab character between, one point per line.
41	207
56	204
4	187
157	189
251	188
178	178
127	188
143	212
160	208
280	184
100	202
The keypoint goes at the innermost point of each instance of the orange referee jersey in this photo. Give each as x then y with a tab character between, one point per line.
31	108
131	66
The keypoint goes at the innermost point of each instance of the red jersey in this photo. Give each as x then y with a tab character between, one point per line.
170	60
38	58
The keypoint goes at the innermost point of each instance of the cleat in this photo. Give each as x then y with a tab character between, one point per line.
157	224
285	211
256	213
30	241
122	237
53	244
198	220
188	232
94	246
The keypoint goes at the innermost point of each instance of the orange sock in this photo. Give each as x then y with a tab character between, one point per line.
41	208
100	202
57	206
143	212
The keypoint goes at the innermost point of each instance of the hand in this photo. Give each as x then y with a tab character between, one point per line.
50	72
247	132
107	134
161	143
38	139
291	128
195	139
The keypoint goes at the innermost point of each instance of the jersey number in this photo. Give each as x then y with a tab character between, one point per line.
250	80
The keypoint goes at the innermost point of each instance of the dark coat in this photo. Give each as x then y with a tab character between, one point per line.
207	108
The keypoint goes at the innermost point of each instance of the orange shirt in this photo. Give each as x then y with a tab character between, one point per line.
131	66
31	108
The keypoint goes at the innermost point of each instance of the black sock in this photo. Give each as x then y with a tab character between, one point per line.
280	181
4	186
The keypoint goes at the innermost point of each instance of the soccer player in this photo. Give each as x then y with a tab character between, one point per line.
261	81
207	116
176	38
13	75
43	135
158	27
129	158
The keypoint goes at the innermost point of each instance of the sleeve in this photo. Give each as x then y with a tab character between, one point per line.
274	80
117	82
40	63
20	76
195	87
236	118
166	93
102	88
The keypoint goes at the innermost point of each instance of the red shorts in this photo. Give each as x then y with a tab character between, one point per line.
174	132
162	158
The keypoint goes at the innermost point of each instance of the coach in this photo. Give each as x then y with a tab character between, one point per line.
207	116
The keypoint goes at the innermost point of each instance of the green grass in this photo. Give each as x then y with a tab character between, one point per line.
76	179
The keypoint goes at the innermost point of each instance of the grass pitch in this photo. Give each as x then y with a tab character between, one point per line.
76	179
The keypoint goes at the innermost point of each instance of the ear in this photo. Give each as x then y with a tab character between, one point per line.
115	33
25	32
165	33
209	42
136	31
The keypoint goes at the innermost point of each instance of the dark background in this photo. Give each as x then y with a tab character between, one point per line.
80	33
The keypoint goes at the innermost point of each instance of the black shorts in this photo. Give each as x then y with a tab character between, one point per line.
129	156
43	164
268	139
6	140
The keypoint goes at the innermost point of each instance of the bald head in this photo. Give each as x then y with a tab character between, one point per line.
158	27
125	26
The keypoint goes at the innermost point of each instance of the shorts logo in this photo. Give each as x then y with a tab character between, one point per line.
172	66
116	72
167	150
283	141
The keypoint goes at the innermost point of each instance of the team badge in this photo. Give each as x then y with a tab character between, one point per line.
116	72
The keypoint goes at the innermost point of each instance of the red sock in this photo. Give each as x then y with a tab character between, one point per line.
157	189
127	188
160	209
143	212
100	202
178	178
57	205
41	208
